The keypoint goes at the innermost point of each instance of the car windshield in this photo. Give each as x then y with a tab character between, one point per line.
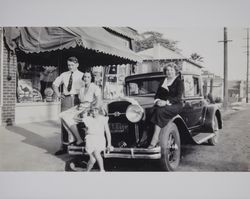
142	87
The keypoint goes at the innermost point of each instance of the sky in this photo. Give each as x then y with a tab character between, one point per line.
199	23
204	41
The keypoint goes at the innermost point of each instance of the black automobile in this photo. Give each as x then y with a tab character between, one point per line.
131	130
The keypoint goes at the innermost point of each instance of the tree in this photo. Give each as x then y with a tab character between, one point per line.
150	38
196	57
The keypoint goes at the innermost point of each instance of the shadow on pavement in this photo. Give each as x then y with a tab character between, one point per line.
50	144
49	123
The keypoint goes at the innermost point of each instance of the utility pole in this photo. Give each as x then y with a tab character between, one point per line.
225	91
247	65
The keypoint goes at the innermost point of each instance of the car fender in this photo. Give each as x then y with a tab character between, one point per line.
185	134
211	112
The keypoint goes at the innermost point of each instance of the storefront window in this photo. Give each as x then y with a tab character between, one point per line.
115	80
98	75
35	83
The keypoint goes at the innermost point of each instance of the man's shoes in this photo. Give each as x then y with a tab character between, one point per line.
61	151
151	146
80	144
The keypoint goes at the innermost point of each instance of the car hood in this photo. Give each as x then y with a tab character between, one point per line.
143	101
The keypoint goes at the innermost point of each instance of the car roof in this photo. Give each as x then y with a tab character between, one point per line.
143	76
153	75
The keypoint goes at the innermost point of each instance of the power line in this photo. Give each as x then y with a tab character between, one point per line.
225	90
247	65
247	74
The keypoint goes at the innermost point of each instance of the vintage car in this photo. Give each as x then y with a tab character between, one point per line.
131	130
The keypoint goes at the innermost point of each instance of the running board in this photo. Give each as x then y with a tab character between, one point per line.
203	137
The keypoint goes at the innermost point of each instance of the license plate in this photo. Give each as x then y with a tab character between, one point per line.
118	127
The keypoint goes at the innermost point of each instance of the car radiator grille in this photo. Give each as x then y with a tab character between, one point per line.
122	131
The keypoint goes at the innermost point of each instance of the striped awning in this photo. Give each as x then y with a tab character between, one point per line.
125	31
46	39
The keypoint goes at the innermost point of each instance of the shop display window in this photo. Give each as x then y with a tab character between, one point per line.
115	80
34	83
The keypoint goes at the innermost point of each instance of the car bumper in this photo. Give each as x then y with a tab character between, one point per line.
126	153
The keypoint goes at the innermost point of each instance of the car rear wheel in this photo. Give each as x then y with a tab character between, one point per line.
214	140
170	147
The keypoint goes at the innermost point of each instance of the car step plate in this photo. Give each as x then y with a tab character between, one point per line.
202	137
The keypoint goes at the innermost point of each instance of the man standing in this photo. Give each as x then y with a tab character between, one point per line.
72	82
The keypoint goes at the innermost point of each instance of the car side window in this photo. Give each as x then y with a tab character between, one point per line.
191	86
188	86
196	86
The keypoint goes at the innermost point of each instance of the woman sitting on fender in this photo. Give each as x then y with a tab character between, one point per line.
168	102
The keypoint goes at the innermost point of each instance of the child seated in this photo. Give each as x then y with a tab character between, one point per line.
97	127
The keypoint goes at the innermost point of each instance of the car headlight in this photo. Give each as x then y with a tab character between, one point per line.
134	113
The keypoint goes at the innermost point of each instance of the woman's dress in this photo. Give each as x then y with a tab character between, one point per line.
161	115
95	137
87	96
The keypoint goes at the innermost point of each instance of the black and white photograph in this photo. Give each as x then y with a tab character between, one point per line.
158	108
124	100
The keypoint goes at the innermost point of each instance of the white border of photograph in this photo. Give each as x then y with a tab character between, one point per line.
114	185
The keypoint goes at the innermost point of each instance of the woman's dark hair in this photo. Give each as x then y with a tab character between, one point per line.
73	59
91	74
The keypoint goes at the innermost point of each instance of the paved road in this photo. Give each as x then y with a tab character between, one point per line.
30	147
231	154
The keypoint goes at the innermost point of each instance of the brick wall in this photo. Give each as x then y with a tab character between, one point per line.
1	79
9	87
1	68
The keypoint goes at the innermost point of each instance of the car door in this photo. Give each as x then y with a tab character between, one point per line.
193	101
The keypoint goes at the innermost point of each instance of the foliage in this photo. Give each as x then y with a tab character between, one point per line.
150	38
196	57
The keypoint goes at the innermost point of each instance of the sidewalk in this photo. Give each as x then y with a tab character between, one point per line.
31	147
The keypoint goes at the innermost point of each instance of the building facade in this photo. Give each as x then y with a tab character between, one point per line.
212	84
23	97
155	58
8	84
1	73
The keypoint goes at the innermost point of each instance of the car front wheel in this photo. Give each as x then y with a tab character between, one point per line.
170	147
